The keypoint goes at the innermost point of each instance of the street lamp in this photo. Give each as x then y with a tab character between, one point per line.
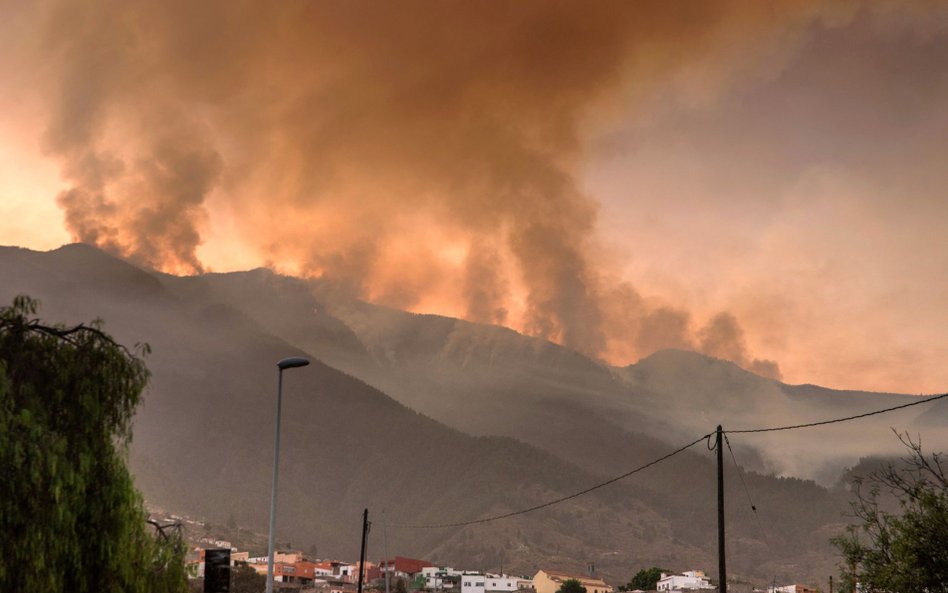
286	363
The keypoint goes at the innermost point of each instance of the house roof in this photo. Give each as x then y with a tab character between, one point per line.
559	576
406	565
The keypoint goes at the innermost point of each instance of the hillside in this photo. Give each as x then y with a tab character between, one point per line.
509	421
490	380
203	438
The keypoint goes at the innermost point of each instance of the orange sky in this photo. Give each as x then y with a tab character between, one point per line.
766	185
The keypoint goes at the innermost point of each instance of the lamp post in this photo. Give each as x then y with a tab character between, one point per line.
286	363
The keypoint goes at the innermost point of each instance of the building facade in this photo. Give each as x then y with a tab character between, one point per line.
549	581
689	580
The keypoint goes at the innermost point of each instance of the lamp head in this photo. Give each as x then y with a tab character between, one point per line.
292	362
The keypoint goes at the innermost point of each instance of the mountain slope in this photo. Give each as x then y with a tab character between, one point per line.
203	440
490	380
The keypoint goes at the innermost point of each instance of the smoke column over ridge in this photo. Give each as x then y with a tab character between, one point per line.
400	148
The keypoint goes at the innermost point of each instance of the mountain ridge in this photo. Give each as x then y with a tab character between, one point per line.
544	421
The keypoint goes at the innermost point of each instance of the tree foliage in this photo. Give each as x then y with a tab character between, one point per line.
70	516
644	580
903	551
244	579
400	586
571	586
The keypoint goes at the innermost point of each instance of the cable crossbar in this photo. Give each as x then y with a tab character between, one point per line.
835	420
550	503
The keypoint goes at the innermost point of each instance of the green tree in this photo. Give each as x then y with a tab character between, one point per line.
644	580
70	516
571	586
903	551
244	579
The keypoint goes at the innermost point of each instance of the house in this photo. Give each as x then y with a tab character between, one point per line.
791	589
492	583
324	569
689	580
288	557
401	567
302	572
549	581
440	577
348	572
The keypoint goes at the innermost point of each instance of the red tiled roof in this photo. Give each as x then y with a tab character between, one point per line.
406	565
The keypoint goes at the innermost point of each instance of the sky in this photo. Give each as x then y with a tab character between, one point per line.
762	182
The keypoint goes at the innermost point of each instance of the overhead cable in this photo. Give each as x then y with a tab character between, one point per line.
558	500
661	459
835	420
750	501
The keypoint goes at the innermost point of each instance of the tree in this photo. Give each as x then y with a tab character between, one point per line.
571	586
244	579
902	551
400	586
644	580
70	516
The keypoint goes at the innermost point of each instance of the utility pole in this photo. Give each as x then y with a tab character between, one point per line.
722	564
365	532
385	548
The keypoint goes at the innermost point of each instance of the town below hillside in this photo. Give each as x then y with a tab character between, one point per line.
306	571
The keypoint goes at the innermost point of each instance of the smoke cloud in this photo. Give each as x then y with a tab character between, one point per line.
405	149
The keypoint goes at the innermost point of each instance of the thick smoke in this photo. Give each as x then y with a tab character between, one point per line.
723	338
403	148
484	291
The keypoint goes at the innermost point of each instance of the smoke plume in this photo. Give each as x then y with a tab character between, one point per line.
405	149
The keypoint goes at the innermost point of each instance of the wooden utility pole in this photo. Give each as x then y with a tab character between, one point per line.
385	548
365	532
722	564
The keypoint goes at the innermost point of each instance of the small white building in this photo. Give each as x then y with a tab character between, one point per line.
689	580
435	576
492	583
346	571
791	589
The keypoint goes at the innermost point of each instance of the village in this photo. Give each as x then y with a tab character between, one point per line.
297	571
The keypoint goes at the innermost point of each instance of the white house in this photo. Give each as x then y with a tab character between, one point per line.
435	576
491	583
691	579
791	589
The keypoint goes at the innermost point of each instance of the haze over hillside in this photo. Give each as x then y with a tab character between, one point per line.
440	420
490	380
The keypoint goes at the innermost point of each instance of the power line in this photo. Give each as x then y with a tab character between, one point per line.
558	500
663	458
847	418
740	474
